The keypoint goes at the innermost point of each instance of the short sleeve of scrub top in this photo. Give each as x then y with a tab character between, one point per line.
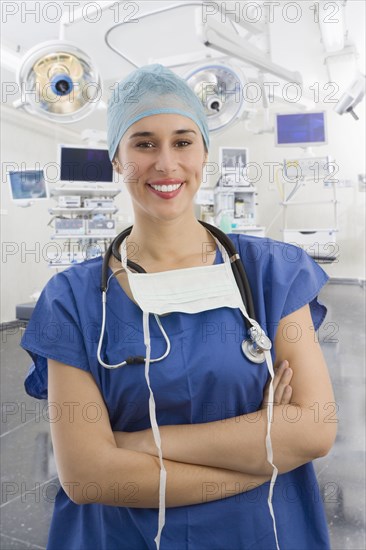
54	332
204	378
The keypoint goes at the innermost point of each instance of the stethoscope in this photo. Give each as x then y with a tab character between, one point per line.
254	347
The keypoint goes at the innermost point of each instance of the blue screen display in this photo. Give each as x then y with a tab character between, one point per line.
28	184
86	165
300	128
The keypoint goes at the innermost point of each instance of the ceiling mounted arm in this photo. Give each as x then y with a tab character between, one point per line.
253	28
217	35
143	16
220	37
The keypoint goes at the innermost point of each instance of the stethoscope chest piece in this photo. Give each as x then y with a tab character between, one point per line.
255	346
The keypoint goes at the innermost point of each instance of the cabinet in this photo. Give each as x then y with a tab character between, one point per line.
319	242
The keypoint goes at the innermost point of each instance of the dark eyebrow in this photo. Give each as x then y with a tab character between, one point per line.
151	134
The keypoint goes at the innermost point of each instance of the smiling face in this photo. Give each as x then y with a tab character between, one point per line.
156	155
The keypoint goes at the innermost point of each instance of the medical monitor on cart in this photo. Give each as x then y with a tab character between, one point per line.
85	165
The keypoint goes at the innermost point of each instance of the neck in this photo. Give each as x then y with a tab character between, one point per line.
168	242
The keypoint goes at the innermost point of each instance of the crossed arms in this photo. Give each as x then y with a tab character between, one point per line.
228	453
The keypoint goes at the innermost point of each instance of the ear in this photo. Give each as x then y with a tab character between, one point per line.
116	165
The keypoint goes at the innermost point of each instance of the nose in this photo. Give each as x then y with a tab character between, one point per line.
166	160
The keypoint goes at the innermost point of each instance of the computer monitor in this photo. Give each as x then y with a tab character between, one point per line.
85	165
300	129
27	185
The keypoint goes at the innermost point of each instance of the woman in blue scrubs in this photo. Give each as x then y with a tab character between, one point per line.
210	400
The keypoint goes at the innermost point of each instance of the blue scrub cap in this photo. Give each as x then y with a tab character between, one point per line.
151	90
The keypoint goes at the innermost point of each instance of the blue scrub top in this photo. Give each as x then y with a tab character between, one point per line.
205	378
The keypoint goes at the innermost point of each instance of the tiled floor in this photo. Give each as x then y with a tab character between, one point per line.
29	479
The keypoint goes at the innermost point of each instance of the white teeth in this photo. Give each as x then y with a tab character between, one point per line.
166	188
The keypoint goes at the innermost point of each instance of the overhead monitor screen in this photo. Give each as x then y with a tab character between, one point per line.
302	129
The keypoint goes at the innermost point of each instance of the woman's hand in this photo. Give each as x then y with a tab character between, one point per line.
281	386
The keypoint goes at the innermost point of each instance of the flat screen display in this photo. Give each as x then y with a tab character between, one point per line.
302	129
27	185
88	165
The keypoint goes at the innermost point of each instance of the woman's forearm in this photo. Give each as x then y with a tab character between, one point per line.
238	443
131	479
298	436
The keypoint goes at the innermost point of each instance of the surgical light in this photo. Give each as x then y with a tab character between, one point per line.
58	82
220	89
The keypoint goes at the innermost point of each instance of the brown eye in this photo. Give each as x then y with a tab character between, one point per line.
183	141
143	144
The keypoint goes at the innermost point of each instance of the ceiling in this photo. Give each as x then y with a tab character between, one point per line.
296	47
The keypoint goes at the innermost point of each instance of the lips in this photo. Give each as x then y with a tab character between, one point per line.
166	194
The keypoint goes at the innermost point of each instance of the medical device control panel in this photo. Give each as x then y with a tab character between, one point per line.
101	227
69	226
99	203
69	201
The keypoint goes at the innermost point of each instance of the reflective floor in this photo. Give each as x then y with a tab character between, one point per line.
28	472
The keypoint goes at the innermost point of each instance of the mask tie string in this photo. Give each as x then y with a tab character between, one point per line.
155	429
269	448
152	409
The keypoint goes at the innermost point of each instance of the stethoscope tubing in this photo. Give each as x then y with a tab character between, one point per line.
252	347
130	360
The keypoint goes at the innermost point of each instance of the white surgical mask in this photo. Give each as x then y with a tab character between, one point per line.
190	290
